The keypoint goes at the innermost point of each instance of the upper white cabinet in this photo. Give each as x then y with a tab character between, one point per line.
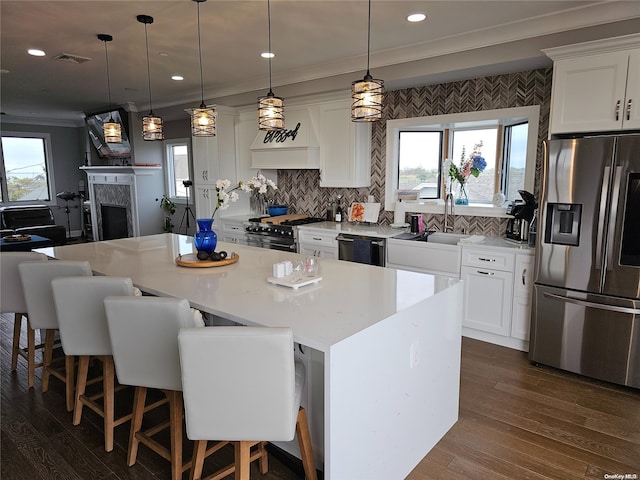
345	147
213	158
596	86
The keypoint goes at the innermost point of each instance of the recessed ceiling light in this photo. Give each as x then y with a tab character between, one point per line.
267	55
36	53
416	17
177	78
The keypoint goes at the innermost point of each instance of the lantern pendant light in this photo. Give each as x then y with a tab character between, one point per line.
151	125
367	94
112	129
270	107
203	120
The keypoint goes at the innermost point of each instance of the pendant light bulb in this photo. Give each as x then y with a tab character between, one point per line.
367	94
111	129
270	107
151	125
203	119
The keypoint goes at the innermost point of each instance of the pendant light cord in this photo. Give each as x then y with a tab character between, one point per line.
369	38
202	105
146	39
270	52
106	56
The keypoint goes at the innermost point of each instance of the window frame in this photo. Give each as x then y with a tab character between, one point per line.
48	159
169	170
531	114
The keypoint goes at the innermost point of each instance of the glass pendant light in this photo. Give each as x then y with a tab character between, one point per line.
367	94
151	125
203	120
112	129
270	107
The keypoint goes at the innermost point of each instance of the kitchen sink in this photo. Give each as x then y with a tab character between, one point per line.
432	237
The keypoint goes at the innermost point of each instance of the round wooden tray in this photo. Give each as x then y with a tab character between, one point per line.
17	238
190	260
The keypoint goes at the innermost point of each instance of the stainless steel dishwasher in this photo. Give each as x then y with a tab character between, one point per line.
362	249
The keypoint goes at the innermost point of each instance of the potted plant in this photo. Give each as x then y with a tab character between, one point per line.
169	208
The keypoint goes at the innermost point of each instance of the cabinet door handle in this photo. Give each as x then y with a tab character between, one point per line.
629	110
484	273
316	238
524	272
617	110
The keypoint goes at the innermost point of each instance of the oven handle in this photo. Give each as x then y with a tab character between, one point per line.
340	238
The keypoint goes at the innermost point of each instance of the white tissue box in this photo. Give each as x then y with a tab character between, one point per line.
279	270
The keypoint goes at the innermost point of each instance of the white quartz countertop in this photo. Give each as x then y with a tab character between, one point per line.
350	297
371	230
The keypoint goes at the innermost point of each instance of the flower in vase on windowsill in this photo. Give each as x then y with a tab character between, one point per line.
472	165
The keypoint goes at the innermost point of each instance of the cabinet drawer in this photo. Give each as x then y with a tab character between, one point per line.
318	238
494	260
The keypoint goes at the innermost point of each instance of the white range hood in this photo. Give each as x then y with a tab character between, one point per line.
295	147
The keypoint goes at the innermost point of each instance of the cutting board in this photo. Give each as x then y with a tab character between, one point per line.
283	218
364	212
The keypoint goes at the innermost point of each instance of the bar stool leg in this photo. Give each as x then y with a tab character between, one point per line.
31	355
83	370
48	356
136	424
242	451
197	461
108	375
304	441
175	420
17	328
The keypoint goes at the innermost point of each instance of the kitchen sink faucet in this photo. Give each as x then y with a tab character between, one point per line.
448	211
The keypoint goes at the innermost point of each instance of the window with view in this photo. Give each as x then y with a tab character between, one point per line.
177	161
25	168
421	149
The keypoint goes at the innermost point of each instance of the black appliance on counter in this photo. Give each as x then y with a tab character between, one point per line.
270	232
523	212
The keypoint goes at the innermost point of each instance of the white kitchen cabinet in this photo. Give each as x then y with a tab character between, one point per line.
522	291
232	231
596	86
318	243
345	156
213	158
487	299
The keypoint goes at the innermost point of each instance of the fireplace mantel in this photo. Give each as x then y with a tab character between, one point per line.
138	188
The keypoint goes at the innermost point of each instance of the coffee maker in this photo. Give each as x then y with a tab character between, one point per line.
522	212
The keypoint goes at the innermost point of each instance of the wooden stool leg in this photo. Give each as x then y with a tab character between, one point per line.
48	355
108	375
264	458
69	380
31	355
17	328
175	429
197	461
304	441
136	423
242	453
83	370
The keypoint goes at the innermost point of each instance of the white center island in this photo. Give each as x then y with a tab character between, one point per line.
388	341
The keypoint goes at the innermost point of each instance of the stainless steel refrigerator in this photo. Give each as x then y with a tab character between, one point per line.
586	297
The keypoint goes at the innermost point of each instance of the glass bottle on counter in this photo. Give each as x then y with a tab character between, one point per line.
338	213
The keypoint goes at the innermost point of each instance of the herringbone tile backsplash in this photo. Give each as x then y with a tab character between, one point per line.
300	189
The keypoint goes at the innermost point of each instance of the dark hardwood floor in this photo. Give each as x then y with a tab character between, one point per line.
517	421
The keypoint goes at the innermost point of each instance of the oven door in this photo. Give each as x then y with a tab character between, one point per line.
273	243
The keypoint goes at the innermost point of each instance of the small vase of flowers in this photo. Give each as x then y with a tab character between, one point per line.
474	164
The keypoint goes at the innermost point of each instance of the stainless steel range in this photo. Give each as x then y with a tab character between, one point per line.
276	233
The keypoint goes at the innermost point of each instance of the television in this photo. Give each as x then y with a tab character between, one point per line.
109	151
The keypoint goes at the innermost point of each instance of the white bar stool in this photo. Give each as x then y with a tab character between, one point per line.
241	384
84	333
36	283
12	301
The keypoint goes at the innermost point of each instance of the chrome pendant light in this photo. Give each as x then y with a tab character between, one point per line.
270	107
151	125
203	119
112	129
367	94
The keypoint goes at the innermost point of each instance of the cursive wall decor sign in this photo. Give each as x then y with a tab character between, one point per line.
280	136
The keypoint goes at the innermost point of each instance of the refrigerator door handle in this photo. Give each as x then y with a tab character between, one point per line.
586	303
601	216
612	216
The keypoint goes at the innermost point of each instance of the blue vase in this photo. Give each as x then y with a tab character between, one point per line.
205	238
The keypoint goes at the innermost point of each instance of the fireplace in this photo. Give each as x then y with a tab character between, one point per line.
114	221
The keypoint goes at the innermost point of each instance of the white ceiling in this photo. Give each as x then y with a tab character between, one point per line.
320	46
